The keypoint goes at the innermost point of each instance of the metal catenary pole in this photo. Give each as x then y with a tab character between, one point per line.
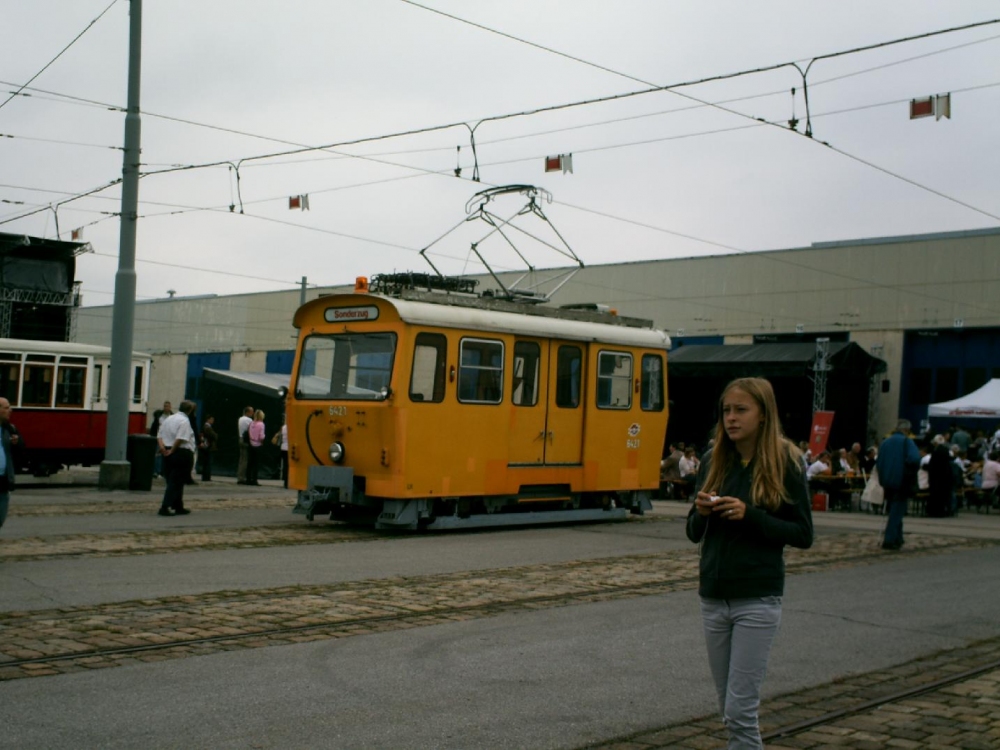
115	466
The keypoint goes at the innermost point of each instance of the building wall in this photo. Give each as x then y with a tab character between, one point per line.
874	290
167	380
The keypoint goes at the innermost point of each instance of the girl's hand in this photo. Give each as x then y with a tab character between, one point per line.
705	503
730	508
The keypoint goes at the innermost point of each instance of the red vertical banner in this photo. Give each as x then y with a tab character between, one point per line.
820	432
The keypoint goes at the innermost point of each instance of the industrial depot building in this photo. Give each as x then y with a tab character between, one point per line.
911	320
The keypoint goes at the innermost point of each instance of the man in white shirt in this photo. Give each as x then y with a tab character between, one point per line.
177	445
241	428
820	466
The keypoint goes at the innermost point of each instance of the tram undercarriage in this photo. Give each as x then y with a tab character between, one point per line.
335	491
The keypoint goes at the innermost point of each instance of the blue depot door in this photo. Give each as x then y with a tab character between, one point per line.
196	366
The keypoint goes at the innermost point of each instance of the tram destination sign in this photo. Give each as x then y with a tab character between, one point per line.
347	314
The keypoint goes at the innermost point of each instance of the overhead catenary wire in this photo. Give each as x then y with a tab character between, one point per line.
306	149
71	99
60	54
652	88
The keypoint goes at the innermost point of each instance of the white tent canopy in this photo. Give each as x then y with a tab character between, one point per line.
983	403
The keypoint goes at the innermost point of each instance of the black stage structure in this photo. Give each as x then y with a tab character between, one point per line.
697	374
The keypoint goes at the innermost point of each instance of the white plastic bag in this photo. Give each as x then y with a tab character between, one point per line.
873	493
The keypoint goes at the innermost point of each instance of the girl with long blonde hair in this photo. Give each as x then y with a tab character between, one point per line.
752	501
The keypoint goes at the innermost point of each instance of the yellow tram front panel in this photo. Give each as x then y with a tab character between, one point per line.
346	357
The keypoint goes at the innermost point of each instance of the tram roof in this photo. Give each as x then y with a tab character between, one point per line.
31	346
532	321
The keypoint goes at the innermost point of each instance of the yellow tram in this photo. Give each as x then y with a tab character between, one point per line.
439	411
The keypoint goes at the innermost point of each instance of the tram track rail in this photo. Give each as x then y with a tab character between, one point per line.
44	642
791	730
944	699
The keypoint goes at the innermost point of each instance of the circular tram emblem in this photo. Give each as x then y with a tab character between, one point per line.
633	429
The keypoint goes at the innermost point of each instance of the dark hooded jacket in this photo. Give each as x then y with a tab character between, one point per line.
745	559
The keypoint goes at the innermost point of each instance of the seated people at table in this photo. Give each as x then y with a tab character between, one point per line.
868	460
923	481
820	467
854	457
961	471
843	463
991	477
688	466
806	455
669	470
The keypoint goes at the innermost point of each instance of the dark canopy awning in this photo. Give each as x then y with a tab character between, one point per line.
263	383
768	360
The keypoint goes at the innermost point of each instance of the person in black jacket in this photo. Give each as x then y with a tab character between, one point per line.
752	501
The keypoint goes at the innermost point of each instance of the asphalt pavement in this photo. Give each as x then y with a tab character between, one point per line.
553	677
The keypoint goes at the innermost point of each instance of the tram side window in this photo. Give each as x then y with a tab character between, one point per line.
430	358
480	373
38	377
69	386
524	391
137	385
98	381
652	382
569	374
614	380
10	376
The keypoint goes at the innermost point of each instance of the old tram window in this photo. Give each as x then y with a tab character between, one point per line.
98	382
569	374
430	357
651	387
38	377
10	377
614	380
480	372
137	385
352	366
70	383
524	378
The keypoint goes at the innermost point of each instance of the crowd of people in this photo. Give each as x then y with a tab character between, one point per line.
179	441
951	465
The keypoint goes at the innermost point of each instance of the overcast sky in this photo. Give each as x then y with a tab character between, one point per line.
659	175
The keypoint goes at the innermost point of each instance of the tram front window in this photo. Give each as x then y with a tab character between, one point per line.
345	366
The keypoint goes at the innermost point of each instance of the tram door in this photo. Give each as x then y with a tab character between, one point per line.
564	412
546	423
528	405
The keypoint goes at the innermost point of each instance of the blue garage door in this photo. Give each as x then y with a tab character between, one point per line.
196	365
280	362
943	365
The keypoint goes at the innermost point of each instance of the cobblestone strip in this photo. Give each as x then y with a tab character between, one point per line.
153	542
301	613
117	544
962	715
150	505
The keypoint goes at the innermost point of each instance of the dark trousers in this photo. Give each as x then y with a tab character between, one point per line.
205	457
895	501
176	468
253	464
284	468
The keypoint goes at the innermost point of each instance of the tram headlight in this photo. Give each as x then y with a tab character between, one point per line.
337	452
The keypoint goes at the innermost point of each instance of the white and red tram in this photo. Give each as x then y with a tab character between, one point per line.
59	395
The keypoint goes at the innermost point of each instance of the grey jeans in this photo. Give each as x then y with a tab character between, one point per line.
739	634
